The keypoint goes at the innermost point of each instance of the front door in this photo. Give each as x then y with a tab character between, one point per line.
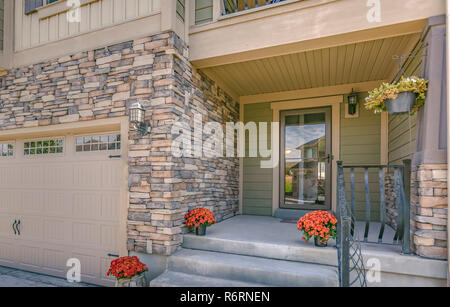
306	159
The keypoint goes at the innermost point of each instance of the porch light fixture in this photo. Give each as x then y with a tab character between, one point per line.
137	118
352	103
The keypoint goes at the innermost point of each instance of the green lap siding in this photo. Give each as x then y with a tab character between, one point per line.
257	186
402	128
361	145
203	11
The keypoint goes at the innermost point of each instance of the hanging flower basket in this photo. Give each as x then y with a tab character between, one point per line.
403	97
403	104
199	219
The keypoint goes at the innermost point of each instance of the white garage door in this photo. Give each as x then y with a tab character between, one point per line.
65	193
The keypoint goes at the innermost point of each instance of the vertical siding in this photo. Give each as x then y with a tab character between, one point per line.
361	145
30	31
257	186
402	128
203	11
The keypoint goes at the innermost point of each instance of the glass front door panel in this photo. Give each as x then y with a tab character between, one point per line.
306	159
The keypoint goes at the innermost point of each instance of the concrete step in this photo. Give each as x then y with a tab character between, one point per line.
301	252
177	279
253	269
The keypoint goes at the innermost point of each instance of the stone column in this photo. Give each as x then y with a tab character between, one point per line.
163	188
429	193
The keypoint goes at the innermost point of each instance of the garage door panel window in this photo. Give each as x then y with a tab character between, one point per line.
44	147
6	150
95	143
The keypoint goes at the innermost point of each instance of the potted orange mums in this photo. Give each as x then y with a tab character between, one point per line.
129	272
199	219
321	225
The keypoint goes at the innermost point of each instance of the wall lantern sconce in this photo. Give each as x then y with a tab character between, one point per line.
352	103
137	118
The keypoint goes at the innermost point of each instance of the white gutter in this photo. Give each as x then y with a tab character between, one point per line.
448	137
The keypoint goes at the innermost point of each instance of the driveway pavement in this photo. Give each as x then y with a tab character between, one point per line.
17	278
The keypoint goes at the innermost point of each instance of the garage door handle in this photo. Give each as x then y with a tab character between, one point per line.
14	227
115	157
18	229
113	256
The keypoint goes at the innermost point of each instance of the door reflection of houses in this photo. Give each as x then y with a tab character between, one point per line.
306	148
308	176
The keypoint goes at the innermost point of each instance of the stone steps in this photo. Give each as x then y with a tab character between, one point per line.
231	268
177	279
301	253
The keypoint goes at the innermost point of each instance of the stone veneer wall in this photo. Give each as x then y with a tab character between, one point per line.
429	211
177	185
391	201
104	83
210	183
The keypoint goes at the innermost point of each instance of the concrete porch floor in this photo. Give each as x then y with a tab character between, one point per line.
272	230
268	237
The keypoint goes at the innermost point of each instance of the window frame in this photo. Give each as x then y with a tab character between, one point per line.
13	144
56	154
36	7
98	134
181	9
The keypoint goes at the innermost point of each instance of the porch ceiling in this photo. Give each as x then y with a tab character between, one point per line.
354	63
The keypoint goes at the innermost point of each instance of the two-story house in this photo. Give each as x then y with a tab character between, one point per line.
80	177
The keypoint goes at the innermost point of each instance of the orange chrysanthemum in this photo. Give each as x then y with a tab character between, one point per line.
318	224
200	216
127	268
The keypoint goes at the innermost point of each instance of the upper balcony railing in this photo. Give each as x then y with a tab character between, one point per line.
235	6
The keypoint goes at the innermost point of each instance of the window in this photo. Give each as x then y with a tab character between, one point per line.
181	9
44	147
32	5
98	143
203	11
6	150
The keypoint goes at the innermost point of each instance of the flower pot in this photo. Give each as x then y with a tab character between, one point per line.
136	282
318	243
403	104
200	230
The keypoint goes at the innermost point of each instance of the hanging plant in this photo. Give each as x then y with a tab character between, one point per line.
388	93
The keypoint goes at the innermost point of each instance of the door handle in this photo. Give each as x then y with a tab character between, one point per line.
113	256
14	227
330	158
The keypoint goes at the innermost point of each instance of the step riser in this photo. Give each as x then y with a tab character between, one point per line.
177	279
324	256
247	274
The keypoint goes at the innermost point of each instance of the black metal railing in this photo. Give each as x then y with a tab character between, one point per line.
351	265
234	6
